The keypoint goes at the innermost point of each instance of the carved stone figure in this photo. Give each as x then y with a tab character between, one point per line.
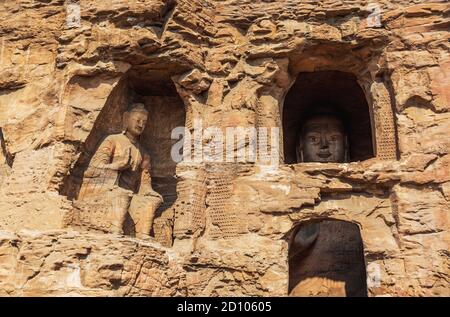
119	176
323	139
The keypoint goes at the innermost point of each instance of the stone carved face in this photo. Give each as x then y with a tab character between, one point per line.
323	139
136	121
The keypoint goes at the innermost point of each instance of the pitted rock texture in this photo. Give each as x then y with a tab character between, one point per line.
63	263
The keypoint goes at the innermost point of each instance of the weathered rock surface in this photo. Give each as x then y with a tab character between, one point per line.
67	263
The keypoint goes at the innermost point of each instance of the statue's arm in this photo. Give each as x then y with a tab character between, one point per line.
103	158
146	188
104	154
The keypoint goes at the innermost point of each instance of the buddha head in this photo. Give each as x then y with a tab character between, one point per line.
135	120
323	139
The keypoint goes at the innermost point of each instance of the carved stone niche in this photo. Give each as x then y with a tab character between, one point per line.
332	92
166	111
339	80
370	130
326	258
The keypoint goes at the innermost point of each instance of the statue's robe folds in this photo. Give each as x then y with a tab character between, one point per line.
117	192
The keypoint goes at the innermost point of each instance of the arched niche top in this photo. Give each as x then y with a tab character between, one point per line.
151	83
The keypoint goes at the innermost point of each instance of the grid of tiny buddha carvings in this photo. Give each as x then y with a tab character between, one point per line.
263	145
223	218
162	225
198	202
190	209
385	129
92	214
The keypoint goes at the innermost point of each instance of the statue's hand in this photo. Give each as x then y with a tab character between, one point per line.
123	163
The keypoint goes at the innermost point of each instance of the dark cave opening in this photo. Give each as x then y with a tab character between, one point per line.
335	91
326	258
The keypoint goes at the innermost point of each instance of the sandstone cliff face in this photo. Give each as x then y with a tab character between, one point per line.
226	228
